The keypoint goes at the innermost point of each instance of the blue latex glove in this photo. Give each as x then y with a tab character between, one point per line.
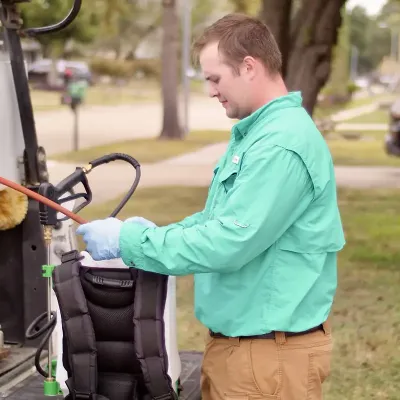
102	238
142	221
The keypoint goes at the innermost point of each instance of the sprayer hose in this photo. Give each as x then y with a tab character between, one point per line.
34	331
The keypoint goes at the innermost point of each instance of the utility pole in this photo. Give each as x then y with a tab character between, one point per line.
354	63
186	38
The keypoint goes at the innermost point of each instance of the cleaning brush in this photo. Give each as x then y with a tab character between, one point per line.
13	208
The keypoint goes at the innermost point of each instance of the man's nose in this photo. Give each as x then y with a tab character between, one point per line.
212	92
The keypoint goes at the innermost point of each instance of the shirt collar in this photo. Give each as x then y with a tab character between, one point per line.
292	99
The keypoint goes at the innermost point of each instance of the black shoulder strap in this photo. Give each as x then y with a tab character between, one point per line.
148	319
149	335
77	329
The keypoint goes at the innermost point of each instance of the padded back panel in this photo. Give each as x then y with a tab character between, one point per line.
111	312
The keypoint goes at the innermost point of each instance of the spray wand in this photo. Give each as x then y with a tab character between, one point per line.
50	198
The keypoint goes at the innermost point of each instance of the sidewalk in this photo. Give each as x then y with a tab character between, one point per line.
360	127
354	112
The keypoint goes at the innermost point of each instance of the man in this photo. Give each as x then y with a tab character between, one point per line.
264	249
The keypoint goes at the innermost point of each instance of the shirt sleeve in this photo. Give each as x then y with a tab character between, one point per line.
271	191
189	221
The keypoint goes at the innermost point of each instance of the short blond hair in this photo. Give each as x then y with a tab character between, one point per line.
238	36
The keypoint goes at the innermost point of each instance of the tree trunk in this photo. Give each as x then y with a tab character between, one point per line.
171	128
310	60
276	14
53	78
307	53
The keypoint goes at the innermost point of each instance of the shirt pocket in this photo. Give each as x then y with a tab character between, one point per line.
224	180
228	176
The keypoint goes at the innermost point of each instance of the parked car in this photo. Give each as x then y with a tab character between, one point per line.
392	139
38	71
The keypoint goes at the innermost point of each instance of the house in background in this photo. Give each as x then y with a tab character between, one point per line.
32	51
30	48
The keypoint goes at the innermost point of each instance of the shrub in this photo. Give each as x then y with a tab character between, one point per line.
125	68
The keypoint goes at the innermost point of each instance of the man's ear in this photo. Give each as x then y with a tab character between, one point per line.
249	67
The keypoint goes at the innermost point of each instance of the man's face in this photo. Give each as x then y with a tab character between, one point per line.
231	89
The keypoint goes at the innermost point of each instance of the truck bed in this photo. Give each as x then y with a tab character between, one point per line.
32	387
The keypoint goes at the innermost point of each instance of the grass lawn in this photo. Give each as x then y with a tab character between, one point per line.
323	112
368	152
148	150
366	314
99	94
375	117
108	95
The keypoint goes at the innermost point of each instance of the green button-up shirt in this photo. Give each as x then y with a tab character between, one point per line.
264	249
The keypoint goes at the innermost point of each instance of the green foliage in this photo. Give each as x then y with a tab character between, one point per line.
337	88
366	36
126	24
371	40
390	12
40	13
250	7
201	11
352	87
126	68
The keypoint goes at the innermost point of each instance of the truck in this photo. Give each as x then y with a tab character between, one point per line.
28	344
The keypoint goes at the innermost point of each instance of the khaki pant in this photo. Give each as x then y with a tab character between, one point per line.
284	368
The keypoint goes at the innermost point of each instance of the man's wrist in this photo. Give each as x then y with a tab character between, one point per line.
130	240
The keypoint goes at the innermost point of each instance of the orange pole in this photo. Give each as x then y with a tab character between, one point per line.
42	199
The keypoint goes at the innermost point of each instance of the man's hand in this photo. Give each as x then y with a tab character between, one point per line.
102	238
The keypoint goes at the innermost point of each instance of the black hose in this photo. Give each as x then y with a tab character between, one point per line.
73	13
34	332
122	157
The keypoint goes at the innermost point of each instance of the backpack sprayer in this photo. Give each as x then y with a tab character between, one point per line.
151	342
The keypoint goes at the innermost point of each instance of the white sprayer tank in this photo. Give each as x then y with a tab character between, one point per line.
174	367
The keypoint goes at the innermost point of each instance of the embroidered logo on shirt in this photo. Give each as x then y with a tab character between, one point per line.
235	159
